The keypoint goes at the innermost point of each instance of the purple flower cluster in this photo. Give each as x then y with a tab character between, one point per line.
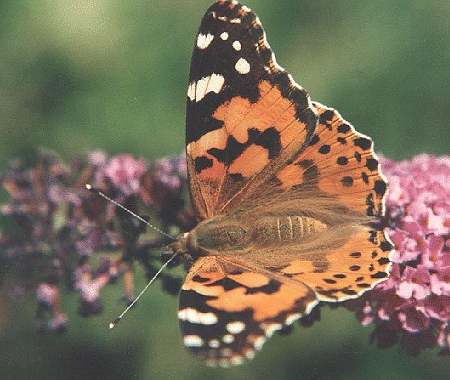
59	229
56	228
413	304
163	189
124	173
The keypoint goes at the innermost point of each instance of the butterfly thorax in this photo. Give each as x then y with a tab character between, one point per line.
225	235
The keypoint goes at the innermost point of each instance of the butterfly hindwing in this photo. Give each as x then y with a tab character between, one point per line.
227	312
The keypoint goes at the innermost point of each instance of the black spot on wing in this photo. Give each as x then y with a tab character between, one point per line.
363	142
226	283
202	163
347	181
372	164
379	275
200	279
386	246
343	128
349	292
268	139
342	160
236	177
311	173
380	187
383	261
272	287
325	118
314	140
365	177
324	149
199	120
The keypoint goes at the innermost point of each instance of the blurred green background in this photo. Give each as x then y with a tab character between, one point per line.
83	75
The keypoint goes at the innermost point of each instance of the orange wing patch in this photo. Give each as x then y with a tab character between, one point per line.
247	290
266	134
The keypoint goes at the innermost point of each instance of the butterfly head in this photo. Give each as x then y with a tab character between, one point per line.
183	246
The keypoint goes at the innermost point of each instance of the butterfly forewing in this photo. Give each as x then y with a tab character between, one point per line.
241	107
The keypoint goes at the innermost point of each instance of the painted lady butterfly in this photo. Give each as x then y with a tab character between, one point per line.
287	194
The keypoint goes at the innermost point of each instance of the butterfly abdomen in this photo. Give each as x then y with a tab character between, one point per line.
224	236
286	229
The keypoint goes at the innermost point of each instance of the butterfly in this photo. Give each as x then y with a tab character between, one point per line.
286	192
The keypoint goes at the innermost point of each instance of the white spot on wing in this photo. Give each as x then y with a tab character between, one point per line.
228	338
250	354
292	318
203	40
236	360
194	316
242	66
200	88
214	343
259	342
193	341
191	91
272	328
212	83
236	45
224	36
235	327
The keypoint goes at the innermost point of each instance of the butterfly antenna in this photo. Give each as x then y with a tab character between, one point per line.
117	320
103	195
